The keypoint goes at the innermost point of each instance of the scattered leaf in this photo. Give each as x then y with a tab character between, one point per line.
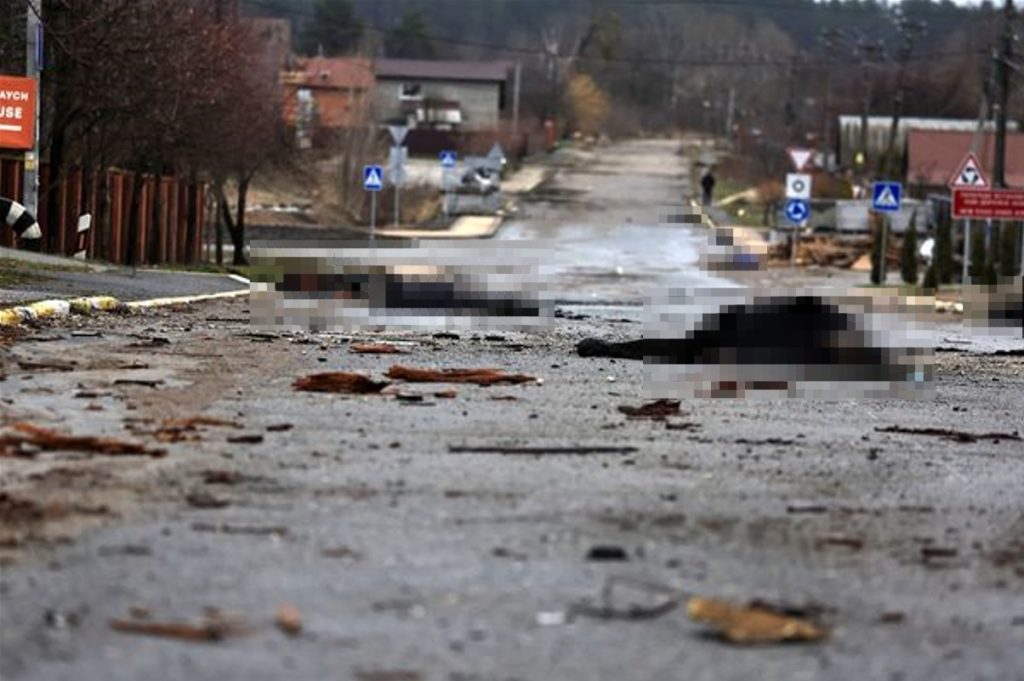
43	365
203	499
214	626
749	625
145	382
449	394
949	434
477	376
222	477
249	439
658	409
44	438
892	617
339	382
852	543
288	619
376	349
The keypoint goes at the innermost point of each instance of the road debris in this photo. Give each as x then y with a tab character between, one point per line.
448	394
539	450
552	618
144	382
30	436
800	507
26	365
753	624
222	477
949	434
258	530
657	410
339	382
377	349
279	427
937	553
630	599
607	553
203	499
476	376
187	429
213	626
248	439
288	619
852	543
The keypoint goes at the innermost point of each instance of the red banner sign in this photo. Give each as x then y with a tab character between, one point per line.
988	204
17	112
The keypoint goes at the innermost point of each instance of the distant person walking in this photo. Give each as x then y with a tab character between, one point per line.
707	185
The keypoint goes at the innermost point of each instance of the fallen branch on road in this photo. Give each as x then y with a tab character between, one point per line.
949	434
212	627
537	451
11	444
339	382
657	410
477	376
376	349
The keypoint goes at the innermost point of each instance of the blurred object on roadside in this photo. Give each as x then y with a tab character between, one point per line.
344	286
996	310
735	343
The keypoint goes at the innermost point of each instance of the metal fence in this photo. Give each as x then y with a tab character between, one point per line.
147	220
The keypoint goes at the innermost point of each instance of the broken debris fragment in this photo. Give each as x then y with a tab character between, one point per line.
376	349
213	626
949	434
13	444
339	382
753	624
477	376
288	619
607	553
656	410
539	450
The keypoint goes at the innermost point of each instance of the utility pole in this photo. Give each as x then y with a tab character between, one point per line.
33	67
866	50
907	29
1002	73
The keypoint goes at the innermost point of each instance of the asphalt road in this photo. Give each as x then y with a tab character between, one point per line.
409	560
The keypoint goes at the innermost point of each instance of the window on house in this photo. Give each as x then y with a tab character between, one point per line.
410	91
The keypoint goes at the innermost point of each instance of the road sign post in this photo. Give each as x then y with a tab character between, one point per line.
448	160
886	198
798	208
373	182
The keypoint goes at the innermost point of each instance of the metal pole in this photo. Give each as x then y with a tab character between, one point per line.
396	205
373	216
967	251
33	67
882	259
1002	74
515	98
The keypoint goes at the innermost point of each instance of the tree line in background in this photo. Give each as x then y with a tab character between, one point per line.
159	88
779	68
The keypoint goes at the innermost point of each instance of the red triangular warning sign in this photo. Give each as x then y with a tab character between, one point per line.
969	175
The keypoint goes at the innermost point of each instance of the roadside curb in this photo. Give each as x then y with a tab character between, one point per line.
493	223
53	309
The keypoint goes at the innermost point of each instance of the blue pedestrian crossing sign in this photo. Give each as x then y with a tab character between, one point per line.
886	197
797	210
448	159
373	178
